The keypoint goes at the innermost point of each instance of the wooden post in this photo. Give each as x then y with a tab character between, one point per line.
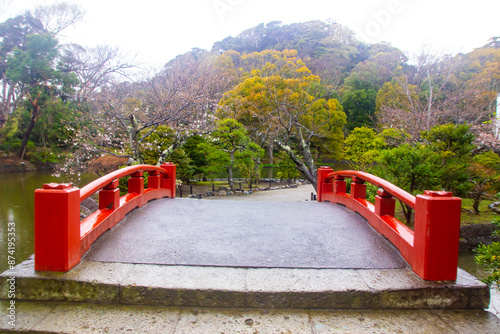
323	186
437	233
136	183
168	182
57	227
358	188
154	180
385	204
109	196
339	185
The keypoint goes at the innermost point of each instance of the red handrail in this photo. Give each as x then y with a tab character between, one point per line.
101	182
431	249
397	192
61	239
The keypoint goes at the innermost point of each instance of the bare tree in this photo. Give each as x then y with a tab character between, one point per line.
181	96
95	67
58	16
185	94
432	93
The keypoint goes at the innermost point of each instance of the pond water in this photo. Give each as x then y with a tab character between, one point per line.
467	263
17	208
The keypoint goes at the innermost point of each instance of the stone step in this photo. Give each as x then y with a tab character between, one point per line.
50	317
260	288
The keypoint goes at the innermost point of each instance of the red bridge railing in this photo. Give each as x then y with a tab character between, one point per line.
61	239
431	249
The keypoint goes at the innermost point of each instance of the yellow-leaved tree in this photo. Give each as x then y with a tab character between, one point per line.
283	104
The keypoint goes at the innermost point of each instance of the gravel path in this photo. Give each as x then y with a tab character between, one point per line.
300	194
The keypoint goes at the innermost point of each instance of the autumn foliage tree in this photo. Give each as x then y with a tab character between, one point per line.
362	147
284	103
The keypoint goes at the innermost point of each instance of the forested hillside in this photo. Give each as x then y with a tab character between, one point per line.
291	95
365	77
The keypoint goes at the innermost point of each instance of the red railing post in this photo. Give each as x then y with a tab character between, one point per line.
339	184
57	227
109	196
136	183
154	180
385	204
168	181
437	232
323	186
358	188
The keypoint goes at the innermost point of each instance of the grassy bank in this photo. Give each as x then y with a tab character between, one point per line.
486	215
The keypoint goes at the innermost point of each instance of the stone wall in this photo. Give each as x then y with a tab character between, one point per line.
473	235
27	167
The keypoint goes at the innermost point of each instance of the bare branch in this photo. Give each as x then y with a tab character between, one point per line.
57	17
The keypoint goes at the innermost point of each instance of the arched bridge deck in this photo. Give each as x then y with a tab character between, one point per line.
246	234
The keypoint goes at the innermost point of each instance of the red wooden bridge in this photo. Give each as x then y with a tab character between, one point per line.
263	252
431	250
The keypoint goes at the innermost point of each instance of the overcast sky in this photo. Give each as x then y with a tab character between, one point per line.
157	30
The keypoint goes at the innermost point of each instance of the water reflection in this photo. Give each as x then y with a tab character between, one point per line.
467	263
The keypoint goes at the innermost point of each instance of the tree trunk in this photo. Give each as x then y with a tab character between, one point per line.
165	154
10	102
230	171
475	205
306	152
5	106
27	134
134	141
258	172
407	211
429	106
301	167
270	149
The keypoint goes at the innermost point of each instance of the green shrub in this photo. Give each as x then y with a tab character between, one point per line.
44	155
489	256
285	168
12	145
